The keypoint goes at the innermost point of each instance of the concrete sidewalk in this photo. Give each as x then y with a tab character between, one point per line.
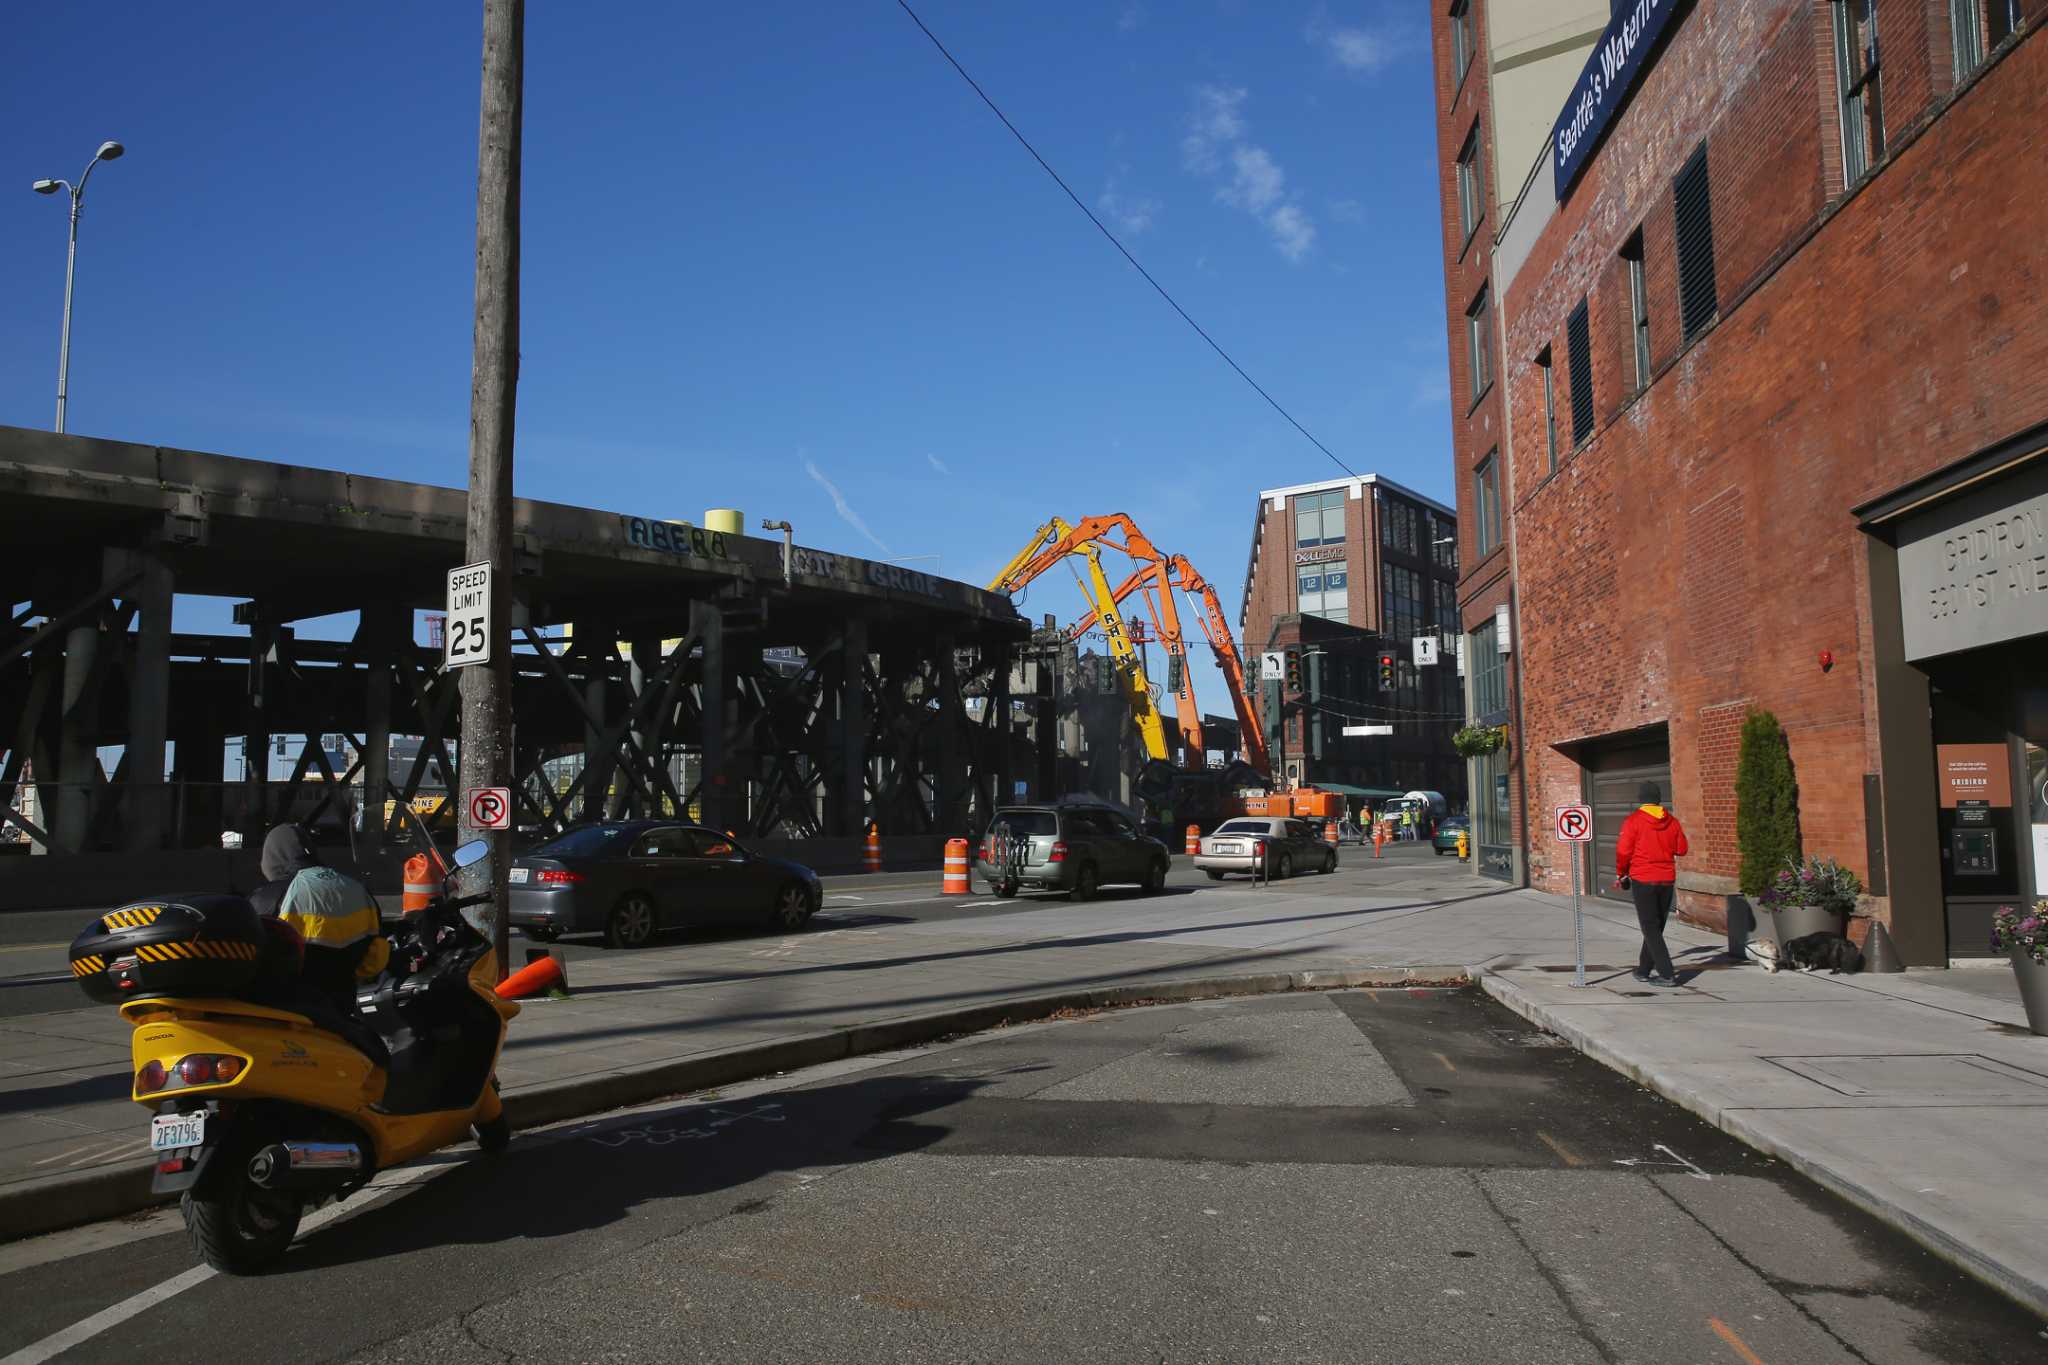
1919	1101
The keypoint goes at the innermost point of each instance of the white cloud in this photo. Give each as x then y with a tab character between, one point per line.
937	463
1132	16
1358	50
1217	143
1364	49
1129	212
845	509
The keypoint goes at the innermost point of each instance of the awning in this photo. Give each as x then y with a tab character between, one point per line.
1366	793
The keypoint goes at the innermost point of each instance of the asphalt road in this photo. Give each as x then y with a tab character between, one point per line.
35	973
1399	1176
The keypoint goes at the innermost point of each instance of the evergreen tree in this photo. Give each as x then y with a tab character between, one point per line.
1766	802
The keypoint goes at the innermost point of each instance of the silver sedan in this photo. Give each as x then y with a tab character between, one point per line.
1290	846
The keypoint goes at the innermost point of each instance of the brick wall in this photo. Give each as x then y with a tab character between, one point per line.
1697	554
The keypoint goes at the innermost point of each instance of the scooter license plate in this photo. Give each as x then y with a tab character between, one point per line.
170	1131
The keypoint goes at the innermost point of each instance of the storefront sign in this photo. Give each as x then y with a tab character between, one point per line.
674	539
1975	572
1973	772
1603	87
1321	554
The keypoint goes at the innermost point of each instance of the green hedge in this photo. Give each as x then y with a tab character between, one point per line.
1766	803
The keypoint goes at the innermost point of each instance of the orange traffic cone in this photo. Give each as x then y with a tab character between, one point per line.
954	883
1194	840
871	851
1379	838
532	979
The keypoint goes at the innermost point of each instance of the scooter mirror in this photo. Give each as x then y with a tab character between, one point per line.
475	851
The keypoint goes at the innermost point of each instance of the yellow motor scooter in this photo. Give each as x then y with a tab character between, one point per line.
263	1111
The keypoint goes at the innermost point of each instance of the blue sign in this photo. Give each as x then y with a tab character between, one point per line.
1604	86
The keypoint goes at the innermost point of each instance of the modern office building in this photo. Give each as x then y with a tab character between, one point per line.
1352	572
1768	355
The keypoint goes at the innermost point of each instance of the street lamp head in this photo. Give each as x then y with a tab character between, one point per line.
44	187
109	151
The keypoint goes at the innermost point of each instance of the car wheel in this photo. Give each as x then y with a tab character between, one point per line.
1330	862
792	907
1285	868
1155	879
631	924
1214	875
1439	852
541	933
1085	884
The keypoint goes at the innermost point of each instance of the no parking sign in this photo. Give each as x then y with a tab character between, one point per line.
1575	824
490	808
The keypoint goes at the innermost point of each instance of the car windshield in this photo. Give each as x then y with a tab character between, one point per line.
1243	827
1028	821
588	842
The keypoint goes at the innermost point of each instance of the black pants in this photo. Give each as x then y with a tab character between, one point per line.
1653	910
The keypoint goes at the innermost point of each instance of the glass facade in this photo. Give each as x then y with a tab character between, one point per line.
1323	590
1319	519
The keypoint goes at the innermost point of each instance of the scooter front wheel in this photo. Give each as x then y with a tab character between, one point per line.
240	1228
495	1135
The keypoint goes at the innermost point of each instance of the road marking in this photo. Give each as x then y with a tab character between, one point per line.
1697	1172
1445	1060
1721	1330
1564	1153
843	896
83	1331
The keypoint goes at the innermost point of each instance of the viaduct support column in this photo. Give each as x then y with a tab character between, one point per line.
382	630
853	728
149	708
707	622
78	726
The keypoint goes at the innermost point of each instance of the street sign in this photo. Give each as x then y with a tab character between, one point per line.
1425	650
468	640
489	807
1368	729
1575	824
1272	666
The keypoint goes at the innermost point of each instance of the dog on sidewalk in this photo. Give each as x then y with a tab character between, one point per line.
1813	952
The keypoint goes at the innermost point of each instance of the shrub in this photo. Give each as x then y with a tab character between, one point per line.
1766	803
1476	740
2023	930
1821	882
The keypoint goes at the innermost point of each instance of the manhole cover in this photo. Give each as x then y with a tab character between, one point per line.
1940	1076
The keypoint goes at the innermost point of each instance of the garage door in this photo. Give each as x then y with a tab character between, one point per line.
1610	783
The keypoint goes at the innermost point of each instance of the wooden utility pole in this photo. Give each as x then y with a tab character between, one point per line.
493	387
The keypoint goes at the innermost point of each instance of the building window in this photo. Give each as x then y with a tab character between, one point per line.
1549	407
1446	617
1638	308
1398	522
2005	19
1486	505
1323	590
1856	65
1578	338
1443	543
1402	605
1692	200
1966	33
1479	343
1489	672
1319	519
1471	207
1461	41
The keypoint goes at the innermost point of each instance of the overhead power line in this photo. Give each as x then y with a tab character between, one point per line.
1102	228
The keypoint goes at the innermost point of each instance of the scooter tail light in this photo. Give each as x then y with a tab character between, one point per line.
206	1068
151	1078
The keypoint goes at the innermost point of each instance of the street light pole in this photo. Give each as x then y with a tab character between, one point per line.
108	151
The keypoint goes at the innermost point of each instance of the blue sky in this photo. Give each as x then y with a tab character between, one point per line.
767	248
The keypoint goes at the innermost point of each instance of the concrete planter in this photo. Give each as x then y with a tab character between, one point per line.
2033	979
1797	921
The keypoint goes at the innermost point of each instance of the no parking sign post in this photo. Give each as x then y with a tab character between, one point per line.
1574	826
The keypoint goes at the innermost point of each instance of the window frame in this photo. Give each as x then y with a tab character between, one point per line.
1545	363
1859	86
1462	45
1639	307
1695	244
1479	344
1487	530
1965	20
1471	200
1578	330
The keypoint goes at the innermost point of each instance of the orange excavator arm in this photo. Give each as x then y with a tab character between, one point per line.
1166	620
1217	627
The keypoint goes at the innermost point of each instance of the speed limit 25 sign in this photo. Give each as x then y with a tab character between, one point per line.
467	639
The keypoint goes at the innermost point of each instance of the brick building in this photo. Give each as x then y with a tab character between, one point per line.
1351	571
1773	347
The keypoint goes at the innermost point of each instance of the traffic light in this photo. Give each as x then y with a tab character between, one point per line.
1174	670
1386	670
1294	686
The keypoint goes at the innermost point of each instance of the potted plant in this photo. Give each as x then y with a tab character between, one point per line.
1474	741
1812	897
2022	935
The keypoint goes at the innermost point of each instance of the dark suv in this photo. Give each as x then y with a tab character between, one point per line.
1069	846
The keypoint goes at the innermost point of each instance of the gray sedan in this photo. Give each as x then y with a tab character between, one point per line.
1290	846
631	879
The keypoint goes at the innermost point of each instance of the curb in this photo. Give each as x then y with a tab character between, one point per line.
53	1203
2030	1293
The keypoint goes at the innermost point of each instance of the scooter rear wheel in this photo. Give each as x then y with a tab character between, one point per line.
240	1228
495	1135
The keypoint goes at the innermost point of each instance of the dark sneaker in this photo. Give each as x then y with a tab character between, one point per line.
1664	981
1640	975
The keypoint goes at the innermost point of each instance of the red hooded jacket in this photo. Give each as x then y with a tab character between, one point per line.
1650	838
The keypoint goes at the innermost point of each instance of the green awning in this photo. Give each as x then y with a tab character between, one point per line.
1365	793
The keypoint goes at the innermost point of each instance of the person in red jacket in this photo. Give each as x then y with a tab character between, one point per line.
1651	838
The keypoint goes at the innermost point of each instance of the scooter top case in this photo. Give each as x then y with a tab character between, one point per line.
203	945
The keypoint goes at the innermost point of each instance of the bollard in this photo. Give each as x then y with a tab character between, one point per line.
955	881
1194	840
1379	838
871	851
1464	847
1258	861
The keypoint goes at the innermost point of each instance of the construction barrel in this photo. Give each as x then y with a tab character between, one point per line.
1330	833
955	882
420	884
871	851
1194	840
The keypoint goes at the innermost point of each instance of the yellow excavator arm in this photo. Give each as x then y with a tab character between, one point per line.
1131	680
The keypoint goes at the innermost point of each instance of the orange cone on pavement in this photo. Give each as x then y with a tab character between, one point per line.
532	979
871	851
1379	837
1194	840
1330	833
955	883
